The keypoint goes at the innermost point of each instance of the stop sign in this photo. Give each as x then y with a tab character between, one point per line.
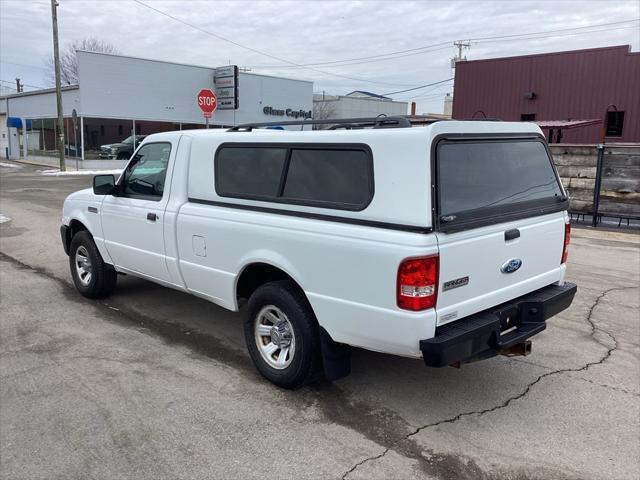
207	101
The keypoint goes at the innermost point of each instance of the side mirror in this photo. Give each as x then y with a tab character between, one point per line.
104	184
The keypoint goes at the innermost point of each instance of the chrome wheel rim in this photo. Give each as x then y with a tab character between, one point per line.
274	337
84	269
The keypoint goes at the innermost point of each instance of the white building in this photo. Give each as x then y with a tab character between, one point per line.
4	133
448	105
356	104
117	95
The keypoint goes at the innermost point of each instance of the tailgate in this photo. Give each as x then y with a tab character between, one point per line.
475	268
500	222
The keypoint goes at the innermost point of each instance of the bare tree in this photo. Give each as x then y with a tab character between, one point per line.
69	59
323	109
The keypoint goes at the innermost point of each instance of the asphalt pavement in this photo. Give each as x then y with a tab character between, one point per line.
152	383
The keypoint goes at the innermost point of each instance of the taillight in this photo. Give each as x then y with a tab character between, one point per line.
567	238
418	283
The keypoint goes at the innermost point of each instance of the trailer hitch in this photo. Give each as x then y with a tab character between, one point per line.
521	349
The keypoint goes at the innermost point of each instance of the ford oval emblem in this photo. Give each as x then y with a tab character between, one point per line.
511	266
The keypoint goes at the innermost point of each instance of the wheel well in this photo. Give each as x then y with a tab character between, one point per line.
336	357
76	226
256	275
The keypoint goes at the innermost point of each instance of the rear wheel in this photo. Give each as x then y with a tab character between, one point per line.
281	334
92	277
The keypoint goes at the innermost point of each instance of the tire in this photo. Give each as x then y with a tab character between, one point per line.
281	312
123	156
92	277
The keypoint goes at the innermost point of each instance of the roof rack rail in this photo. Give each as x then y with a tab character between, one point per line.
346	123
484	119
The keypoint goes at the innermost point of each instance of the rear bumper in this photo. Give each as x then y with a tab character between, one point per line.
480	334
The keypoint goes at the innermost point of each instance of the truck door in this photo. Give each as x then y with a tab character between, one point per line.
132	221
501	222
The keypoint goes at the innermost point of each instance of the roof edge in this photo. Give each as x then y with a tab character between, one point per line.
204	67
38	92
627	49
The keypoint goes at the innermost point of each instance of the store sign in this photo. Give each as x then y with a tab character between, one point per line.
227	71
288	112
227	104
226	81
225	92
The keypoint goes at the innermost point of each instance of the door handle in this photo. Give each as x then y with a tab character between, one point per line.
511	234
152	217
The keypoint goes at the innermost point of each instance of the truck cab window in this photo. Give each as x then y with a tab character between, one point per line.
145	175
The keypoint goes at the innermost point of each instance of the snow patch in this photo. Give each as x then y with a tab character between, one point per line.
58	173
4	218
10	165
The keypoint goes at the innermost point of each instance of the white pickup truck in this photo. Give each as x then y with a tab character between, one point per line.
445	242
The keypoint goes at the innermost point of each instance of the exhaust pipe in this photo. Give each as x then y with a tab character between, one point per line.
518	350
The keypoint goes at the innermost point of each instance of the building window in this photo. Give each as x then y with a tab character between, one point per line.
528	117
119	129
615	121
102	130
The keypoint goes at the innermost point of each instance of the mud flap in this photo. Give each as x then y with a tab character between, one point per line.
336	357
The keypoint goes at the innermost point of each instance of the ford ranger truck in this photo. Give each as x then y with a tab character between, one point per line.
446	242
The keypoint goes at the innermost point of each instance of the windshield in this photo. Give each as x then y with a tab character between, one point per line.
139	139
489	174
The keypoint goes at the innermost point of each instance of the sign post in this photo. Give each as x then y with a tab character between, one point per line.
207	102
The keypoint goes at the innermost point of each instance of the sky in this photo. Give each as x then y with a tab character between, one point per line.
277	36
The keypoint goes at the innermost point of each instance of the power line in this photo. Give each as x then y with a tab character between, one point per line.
561	35
595	25
24	84
326	64
448	43
424	94
417	88
23	65
228	40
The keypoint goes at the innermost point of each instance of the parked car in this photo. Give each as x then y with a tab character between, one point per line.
447	242
122	150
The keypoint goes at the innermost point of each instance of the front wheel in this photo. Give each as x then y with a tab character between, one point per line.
281	333
92	277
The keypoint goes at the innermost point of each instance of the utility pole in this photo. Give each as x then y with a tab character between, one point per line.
19	87
460	45
56	61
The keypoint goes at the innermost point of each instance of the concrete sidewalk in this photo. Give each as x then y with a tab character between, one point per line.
70	163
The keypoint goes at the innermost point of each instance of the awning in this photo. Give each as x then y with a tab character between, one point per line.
16	122
567	124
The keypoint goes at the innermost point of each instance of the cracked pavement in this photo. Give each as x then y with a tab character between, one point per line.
153	383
